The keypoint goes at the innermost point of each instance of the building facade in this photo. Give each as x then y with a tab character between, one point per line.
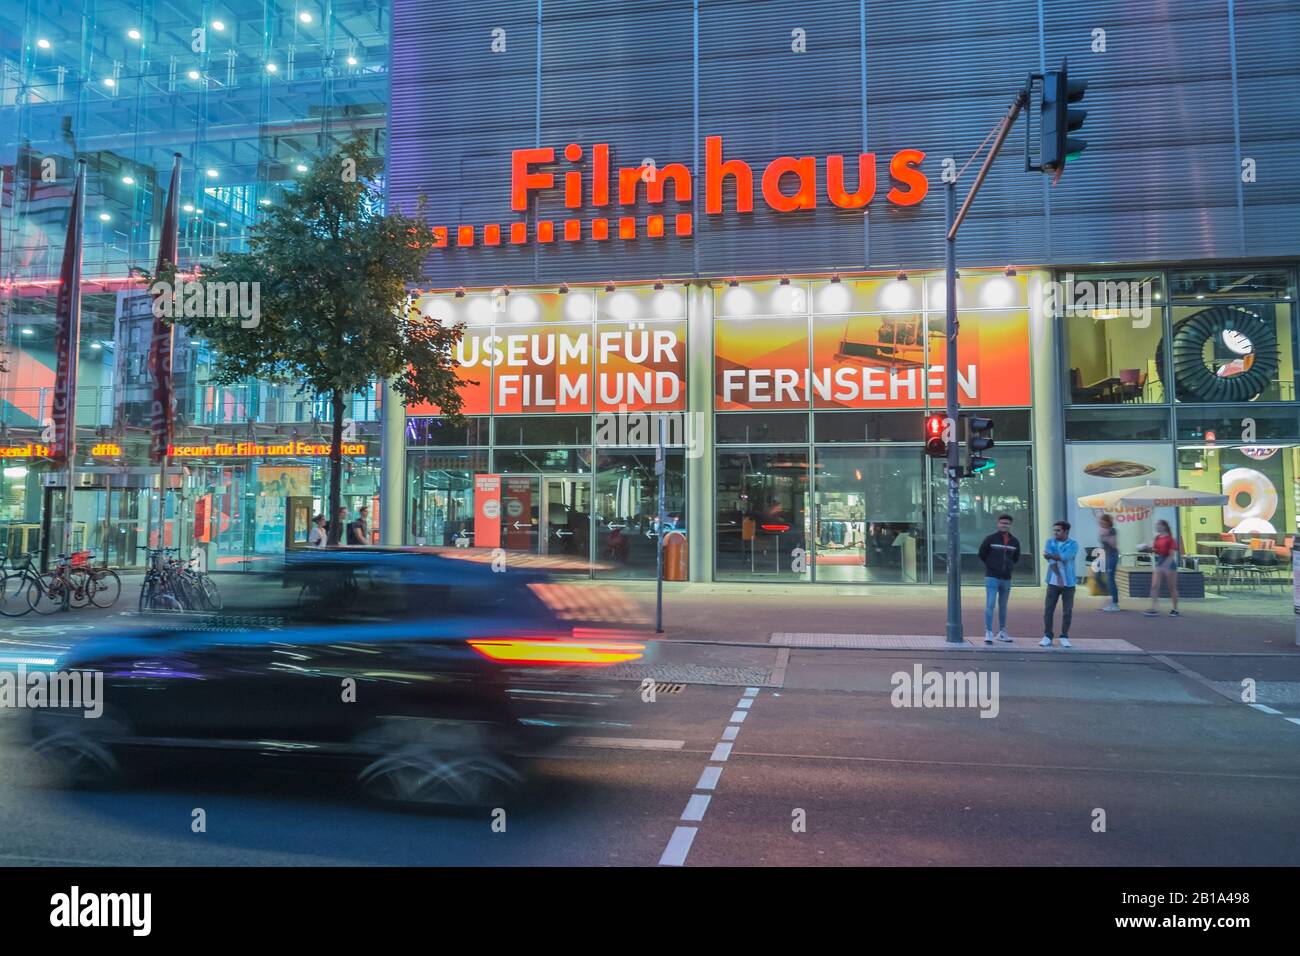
247	92
727	216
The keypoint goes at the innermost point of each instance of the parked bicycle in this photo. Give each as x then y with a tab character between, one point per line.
173	585
14	585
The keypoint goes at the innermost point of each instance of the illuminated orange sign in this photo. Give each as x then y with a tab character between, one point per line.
787	184
38	450
249	449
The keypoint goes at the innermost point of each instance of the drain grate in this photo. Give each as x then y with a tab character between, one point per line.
663	687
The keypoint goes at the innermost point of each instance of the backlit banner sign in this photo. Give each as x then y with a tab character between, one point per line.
598	205
249	449
555	365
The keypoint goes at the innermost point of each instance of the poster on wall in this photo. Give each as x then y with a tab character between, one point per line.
1094	468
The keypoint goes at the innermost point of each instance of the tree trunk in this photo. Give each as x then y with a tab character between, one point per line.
338	533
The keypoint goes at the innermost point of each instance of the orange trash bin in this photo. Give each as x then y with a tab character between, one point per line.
675	557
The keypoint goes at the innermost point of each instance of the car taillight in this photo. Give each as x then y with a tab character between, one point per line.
557	650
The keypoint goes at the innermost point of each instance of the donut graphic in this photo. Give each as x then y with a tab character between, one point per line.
1111	468
1254	515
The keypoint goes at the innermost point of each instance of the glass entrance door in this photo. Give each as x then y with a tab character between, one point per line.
564	527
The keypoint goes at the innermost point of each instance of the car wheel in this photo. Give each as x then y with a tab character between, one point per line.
429	763
76	750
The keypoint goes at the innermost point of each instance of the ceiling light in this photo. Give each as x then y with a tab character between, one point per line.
128	180
212	174
28	332
305	17
110	82
218	25
352	61
188	207
271	68
193	74
96	345
221	225
43	43
264	201
104	217
133	34
301	167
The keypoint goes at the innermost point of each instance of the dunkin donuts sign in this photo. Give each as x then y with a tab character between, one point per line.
598	205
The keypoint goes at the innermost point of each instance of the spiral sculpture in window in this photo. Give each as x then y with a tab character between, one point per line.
1250	339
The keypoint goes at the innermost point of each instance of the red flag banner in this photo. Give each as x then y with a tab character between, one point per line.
160	348
67	329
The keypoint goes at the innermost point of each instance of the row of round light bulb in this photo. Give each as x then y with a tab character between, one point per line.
900	295
579	306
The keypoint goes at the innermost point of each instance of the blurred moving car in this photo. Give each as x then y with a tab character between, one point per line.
423	671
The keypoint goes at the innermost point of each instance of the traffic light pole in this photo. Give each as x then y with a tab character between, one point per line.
953	631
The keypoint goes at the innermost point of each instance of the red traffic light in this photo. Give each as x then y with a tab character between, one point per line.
936	446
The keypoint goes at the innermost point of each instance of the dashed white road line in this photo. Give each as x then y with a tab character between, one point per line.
1264	708
695	807
679	844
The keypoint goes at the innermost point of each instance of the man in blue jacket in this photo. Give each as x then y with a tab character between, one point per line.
1059	553
999	552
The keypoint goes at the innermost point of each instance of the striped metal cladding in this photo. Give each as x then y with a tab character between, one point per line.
1183	93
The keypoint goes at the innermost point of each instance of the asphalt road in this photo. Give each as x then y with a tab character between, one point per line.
822	770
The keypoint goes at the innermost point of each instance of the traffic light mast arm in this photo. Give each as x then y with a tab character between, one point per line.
1004	129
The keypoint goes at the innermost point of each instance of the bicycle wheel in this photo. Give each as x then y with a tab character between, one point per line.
209	594
45	595
80	587
107	588
13	595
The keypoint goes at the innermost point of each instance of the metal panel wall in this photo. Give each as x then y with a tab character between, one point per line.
1183	93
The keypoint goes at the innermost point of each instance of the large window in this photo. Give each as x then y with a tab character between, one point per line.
626	509
1007	488
870	514
1113	335
762	515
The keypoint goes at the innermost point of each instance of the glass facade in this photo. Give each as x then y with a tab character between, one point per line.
1215	356
248	93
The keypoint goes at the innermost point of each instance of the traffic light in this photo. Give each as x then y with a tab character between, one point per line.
1059	121
979	439
936	442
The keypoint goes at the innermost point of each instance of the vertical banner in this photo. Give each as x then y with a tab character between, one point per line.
160	347
487	511
67	330
517	503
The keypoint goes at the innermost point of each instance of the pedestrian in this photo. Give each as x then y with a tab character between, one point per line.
999	551
1165	552
318	535
357	531
337	528
1108	538
1060	553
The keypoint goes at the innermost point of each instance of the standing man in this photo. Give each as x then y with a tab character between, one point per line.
999	552
1060	553
357	531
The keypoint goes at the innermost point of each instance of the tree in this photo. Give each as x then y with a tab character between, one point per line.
332	273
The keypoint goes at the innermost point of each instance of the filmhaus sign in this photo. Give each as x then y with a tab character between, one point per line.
598	202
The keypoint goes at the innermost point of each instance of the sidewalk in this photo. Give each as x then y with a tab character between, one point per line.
1252	623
